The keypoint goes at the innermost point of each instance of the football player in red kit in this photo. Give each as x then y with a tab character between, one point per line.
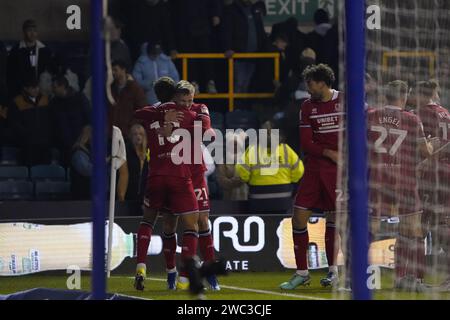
435	172
320	123
169	184
397	144
184	96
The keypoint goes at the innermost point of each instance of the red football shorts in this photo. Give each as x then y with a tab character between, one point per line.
170	192
201	191
317	190
393	195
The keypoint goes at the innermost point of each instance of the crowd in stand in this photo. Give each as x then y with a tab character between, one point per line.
45	106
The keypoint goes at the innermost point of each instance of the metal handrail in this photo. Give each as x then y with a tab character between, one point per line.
231	95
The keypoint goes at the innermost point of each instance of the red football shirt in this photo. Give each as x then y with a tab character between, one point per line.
436	123
161	148
394	138
320	124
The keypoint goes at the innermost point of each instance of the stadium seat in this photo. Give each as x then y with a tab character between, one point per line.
9	156
48	172
16	190
13	173
241	119
52	190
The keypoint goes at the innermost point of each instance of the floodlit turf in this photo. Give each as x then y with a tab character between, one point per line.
235	286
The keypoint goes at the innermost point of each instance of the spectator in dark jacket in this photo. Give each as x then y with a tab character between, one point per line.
30	57
243	31
119	49
290	96
148	21
31	123
294	87
194	21
296	39
265	72
71	112
324	40
128	96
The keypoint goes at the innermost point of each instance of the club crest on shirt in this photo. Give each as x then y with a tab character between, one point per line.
314	111
337	107
205	110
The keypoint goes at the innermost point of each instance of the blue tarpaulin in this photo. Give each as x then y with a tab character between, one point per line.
59	294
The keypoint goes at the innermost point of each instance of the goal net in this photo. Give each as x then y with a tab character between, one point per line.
407	93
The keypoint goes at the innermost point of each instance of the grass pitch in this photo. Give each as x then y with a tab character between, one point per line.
235	286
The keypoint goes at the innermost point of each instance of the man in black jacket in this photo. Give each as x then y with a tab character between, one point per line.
194	22
147	21
29	58
324	40
243	31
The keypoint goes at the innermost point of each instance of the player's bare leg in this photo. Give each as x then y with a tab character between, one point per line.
206	245
331	248
300	220
410	254
189	246
169	248
144	236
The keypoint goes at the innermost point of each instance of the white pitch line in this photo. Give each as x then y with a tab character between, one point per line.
256	291
136	297
273	293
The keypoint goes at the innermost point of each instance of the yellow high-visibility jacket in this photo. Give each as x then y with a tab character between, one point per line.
262	168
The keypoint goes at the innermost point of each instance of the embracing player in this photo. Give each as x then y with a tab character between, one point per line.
184	96
169	185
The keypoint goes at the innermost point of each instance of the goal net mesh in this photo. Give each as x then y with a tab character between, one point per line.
409	190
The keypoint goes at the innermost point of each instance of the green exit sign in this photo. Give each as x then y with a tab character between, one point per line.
303	10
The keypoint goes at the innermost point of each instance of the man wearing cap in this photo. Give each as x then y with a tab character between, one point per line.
152	65
29	58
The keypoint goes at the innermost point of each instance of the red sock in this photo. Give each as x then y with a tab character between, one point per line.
190	242
301	240
420	258
170	249
330	242
206	246
144	236
401	254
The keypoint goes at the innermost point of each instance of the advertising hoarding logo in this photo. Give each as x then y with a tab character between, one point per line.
233	233
381	253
